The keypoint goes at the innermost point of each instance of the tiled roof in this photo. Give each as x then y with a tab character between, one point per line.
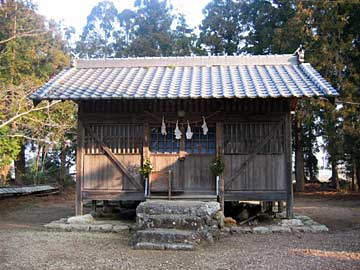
186	77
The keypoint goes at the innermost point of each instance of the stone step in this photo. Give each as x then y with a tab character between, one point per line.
172	221
195	208
163	246
167	236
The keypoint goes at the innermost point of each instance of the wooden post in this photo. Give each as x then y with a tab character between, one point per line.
145	156
288	163
79	164
93	206
169	186
219	153
280	206
182	156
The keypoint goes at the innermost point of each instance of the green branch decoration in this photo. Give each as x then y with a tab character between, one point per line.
146	168
217	167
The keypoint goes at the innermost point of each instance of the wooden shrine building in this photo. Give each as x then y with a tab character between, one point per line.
237	108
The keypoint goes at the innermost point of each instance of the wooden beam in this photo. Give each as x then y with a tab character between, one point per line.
265	195
253	154
113	195
288	166
79	165
113	158
219	153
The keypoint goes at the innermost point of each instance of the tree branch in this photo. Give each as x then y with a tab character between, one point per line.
30	33
47	124
3	124
31	138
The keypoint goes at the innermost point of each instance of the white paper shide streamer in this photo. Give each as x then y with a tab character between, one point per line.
189	134
204	126
163	127
177	131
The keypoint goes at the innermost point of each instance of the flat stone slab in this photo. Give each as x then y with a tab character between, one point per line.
105	226
164	246
195	208
300	224
84	219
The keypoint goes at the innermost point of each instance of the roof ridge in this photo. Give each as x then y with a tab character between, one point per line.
172	61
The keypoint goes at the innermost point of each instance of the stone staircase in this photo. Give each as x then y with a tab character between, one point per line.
176	225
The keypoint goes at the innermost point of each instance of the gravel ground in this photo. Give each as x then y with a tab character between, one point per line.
24	244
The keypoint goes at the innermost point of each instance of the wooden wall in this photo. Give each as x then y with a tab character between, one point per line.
245	124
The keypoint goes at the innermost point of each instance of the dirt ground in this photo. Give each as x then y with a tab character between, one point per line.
24	244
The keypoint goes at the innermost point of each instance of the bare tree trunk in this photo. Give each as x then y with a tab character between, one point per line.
358	172
62	175
334	175
37	161
354	179
4	175
20	166
299	158
45	151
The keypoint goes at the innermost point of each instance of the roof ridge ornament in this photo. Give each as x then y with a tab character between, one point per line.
300	53
74	59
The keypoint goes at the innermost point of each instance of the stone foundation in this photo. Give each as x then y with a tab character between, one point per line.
300	224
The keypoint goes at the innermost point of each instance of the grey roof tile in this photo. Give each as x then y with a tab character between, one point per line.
187	77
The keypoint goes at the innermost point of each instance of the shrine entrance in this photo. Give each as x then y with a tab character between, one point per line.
185	161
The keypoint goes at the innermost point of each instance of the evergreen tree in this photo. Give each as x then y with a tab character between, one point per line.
153	35
98	36
31	51
221	28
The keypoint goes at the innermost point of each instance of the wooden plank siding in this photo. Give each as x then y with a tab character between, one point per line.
245	124
101	174
264	172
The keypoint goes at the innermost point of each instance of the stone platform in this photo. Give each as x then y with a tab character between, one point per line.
176	225
299	224
87	223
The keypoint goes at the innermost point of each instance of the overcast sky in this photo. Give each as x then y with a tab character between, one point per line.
74	12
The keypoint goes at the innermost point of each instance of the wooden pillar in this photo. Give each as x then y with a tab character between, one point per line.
93	206
182	156
288	163
169	185
219	153
79	164
146	154
280	206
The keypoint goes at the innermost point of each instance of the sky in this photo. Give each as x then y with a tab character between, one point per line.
74	12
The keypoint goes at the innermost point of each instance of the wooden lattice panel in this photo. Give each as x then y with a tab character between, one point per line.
120	138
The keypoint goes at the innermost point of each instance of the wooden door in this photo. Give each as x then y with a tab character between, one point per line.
164	156
200	151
